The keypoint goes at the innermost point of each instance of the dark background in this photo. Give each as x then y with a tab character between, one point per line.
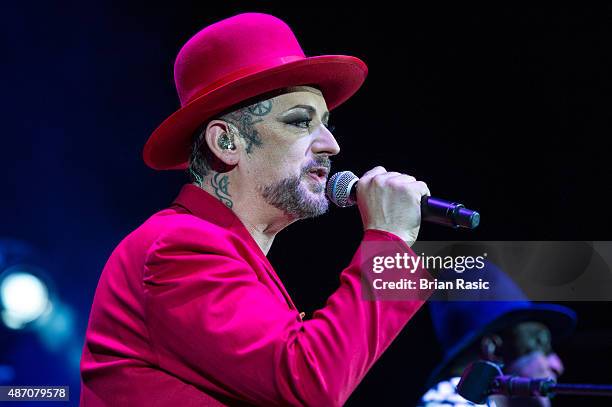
503	108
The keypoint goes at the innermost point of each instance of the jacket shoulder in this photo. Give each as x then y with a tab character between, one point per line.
172	229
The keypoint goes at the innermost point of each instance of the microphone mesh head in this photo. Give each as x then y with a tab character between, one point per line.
339	188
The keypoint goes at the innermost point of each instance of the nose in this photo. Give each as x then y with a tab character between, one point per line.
324	142
555	364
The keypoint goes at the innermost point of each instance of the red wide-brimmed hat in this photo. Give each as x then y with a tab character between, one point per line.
234	60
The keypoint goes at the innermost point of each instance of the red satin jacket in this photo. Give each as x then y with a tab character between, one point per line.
189	312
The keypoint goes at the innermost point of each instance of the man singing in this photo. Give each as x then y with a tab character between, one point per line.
188	310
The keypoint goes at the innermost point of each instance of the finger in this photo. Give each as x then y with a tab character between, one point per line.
418	188
397	176
421	188
391	179
365	178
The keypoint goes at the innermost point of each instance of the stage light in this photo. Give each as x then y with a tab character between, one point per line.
31	303
23	296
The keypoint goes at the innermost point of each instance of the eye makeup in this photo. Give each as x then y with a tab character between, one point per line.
302	114
296	115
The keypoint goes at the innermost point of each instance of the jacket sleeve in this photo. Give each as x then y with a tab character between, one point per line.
214	325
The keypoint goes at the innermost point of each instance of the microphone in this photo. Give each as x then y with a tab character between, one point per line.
483	378
342	191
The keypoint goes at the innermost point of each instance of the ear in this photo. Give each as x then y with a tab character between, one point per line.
491	348
217	135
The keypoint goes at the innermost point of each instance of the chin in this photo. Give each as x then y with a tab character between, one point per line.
312	201
297	197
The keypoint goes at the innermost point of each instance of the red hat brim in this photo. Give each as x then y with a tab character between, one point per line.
337	76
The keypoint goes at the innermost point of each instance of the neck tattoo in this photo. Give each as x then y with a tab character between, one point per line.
220	184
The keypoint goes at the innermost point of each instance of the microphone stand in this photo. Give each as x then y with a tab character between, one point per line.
481	379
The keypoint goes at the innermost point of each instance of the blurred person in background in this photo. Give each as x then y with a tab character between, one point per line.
518	335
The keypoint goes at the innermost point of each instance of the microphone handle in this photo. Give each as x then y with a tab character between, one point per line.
452	214
582	389
526	387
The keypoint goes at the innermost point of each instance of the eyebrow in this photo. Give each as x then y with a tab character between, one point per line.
310	109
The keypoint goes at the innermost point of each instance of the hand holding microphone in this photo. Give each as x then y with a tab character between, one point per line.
396	202
387	201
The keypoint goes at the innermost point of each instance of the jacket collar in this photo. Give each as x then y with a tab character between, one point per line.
205	206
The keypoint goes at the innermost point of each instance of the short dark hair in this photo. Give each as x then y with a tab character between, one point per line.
199	158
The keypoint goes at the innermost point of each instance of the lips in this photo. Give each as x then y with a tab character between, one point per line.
319	173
